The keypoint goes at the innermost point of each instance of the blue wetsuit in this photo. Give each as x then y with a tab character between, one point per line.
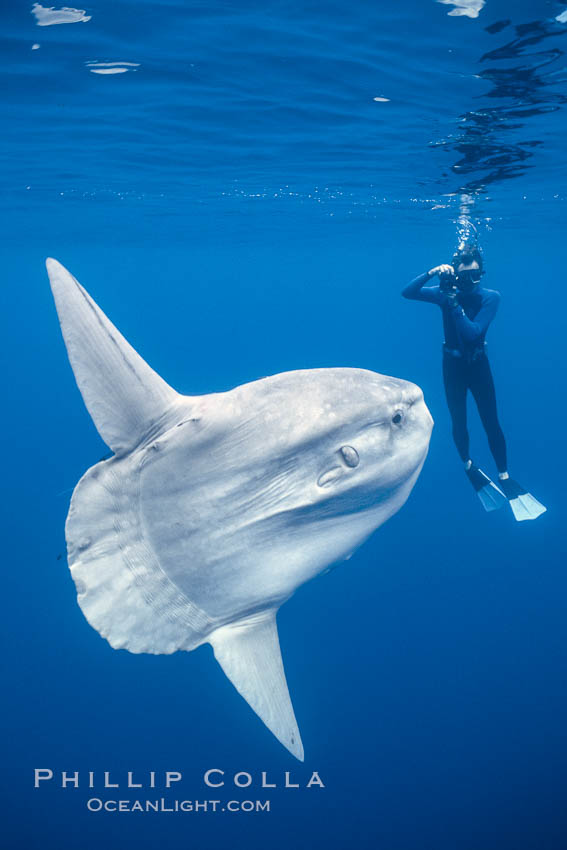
466	318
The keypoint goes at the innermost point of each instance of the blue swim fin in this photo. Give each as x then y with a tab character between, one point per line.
523	504
490	495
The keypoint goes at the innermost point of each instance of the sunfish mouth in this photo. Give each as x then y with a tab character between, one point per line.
409	401
411	394
412	398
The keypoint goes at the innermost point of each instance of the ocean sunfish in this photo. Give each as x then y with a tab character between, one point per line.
214	509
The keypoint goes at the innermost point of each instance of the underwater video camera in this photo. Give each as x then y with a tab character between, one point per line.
448	282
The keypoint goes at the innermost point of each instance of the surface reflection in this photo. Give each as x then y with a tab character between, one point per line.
494	143
47	16
468	8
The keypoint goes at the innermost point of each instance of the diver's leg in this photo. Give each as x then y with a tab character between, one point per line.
481	384
457	383
524	505
454	381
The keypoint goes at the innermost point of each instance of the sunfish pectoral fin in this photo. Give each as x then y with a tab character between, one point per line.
123	395
249	653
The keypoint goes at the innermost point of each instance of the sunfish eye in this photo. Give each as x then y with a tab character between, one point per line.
350	456
397	417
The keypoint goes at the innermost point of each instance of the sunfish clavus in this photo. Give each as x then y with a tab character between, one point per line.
214	509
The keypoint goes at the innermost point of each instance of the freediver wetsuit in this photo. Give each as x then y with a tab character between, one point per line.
465	364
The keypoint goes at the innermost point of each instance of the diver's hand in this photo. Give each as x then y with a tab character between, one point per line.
451	299
444	268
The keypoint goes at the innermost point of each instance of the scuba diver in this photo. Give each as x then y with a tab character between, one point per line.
468	309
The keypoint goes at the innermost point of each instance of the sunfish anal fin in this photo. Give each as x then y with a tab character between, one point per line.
249	653
123	395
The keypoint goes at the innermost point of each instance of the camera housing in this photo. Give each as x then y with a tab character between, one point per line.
447	282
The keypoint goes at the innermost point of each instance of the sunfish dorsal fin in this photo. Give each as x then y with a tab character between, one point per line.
123	395
249	653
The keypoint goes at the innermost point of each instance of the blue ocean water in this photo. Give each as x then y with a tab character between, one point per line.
247	193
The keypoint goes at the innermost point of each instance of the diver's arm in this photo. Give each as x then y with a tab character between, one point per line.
417	291
468	330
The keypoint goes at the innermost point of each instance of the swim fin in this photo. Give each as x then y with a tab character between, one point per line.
489	494
523	504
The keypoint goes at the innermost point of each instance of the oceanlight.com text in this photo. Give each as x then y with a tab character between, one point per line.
95	804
